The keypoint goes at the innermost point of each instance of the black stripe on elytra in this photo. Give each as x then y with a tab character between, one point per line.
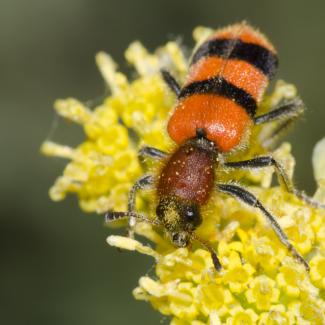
257	55
220	86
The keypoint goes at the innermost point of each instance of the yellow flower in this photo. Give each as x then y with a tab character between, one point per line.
308	310
260	282
262	292
238	274
214	297
264	252
240	316
317	271
277	315
292	280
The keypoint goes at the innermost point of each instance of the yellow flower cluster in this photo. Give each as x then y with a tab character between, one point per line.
260	282
104	167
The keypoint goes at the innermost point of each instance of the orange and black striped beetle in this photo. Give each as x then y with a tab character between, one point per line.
215	111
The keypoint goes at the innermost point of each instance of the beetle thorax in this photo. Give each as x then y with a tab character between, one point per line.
189	173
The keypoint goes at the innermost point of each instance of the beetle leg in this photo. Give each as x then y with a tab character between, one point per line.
284	179
171	82
248	198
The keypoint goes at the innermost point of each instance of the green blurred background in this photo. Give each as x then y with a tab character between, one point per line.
55	265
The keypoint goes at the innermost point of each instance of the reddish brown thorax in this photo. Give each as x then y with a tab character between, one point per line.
189	173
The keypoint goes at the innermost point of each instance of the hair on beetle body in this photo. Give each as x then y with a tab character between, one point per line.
213	116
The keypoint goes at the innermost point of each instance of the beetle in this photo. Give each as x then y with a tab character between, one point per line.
213	116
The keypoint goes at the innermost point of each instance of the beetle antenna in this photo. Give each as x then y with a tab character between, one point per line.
213	253
112	216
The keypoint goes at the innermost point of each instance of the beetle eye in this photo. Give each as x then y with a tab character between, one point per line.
191	214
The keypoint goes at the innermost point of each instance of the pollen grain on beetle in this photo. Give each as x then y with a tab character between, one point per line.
260	281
